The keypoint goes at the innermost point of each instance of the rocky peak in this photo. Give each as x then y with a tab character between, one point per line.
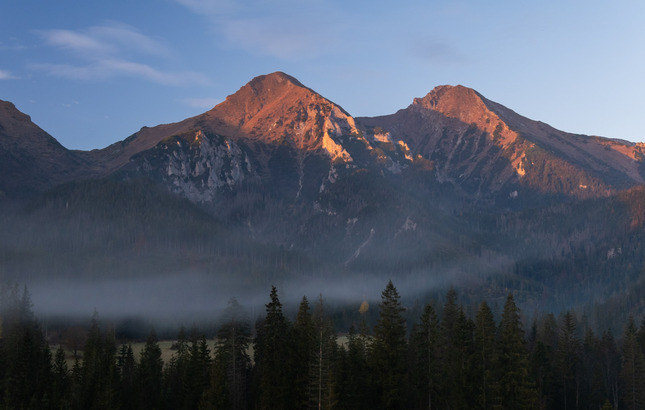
468	106
277	108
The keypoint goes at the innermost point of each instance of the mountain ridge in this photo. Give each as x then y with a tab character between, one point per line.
453	189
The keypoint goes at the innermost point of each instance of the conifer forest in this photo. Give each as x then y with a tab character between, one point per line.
444	359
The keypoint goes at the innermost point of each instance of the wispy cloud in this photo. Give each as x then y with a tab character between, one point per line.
112	50
286	29
108	68
6	75
438	52
210	7
201	102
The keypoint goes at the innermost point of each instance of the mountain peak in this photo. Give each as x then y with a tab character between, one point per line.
450	100
277	79
275	107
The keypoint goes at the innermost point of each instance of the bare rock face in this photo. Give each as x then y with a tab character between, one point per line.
484	149
193	165
273	130
276	132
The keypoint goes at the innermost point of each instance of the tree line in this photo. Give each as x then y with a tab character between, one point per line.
447	361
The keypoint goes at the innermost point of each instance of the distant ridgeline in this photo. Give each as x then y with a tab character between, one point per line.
279	185
448	359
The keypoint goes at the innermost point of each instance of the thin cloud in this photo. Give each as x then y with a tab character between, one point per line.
112	50
77	42
287	30
438	52
109	68
110	39
201	102
209	7
6	75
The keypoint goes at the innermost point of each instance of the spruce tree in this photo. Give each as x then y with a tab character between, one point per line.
302	355
272	352
322	389
610	365
229	386
424	343
176	373
149	373
516	390
484	358
126	368
61	385
354	379
389	351
568	362
25	355
456	346
633	369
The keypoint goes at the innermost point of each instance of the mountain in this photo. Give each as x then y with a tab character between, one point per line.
485	149
32	161
276	131
277	184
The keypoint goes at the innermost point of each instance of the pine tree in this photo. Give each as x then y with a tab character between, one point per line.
25	355
126	366
98	376
176	373
322	392
516	391
484	358
198	372
229	385
302	356
354	380
568	362
633	369
610	364
424	343
456	349
61	384
149	373
389	350
272	352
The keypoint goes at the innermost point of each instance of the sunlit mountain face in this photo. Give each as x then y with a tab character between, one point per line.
278	185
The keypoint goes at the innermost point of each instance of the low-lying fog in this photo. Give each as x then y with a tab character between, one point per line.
193	297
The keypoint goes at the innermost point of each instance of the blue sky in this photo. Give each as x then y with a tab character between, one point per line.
92	73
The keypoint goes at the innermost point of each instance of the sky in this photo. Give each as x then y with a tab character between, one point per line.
92	73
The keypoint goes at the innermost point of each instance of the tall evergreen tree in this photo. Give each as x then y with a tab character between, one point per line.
302	355
610	365
149	373
516	390
272	352
633	369
354	380
61	385
389	350
322	371
484	358
568	362
126	368
98	376
232	363
24	354
424	343
198	372
456	349
176	373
